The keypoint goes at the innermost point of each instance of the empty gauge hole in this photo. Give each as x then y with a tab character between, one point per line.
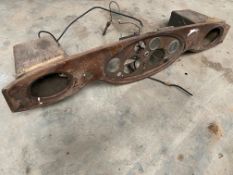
154	43
157	56
49	85
131	65
173	46
212	36
113	65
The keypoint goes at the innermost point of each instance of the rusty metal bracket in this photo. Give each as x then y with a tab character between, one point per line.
46	74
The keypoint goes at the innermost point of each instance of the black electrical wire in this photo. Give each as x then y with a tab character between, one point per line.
126	22
110	15
135	33
76	19
110	8
47	32
173	85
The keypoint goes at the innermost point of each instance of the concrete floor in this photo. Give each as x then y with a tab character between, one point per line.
139	128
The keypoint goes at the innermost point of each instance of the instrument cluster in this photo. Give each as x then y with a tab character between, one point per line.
144	56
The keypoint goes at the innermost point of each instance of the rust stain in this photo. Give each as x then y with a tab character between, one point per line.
220	155
227	72
215	129
180	157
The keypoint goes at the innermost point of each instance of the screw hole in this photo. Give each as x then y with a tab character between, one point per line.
212	36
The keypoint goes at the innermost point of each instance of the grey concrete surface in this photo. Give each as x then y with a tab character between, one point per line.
139	128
